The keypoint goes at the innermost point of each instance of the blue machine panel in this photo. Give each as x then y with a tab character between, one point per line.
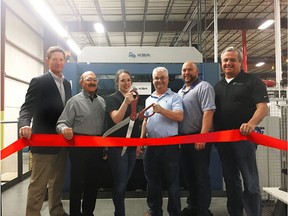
141	72
209	72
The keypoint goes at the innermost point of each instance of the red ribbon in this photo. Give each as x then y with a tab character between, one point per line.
55	140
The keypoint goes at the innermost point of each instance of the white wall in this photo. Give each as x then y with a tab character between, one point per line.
20	66
23	56
24	53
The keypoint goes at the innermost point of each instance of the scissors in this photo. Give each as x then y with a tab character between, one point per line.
130	119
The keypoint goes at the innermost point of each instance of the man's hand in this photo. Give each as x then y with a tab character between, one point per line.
246	129
67	133
157	108
25	131
199	146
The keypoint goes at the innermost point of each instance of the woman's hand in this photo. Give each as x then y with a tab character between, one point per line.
128	98
139	150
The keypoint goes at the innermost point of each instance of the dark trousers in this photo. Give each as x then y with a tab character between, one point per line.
240	158
196	169
162	163
121	169
86	164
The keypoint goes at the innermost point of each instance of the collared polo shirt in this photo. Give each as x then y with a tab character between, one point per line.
236	101
158	125
198	99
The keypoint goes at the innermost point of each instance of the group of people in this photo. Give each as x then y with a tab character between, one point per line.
238	101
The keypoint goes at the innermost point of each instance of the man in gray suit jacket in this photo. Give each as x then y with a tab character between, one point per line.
44	102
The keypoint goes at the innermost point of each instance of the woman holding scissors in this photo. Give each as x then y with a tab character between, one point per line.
121	160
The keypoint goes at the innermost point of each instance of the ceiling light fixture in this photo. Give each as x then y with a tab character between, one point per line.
73	46
266	24
260	64
45	12
99	28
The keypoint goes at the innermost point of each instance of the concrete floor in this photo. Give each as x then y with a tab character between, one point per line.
14	201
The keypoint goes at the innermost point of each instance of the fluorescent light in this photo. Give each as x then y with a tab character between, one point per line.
73	46
99	27
259	64
48	16
266	24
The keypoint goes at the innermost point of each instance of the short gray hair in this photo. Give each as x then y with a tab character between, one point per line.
233	49
160	69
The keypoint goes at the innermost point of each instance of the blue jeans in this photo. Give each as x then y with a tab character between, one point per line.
121	169
162	162
240	157
196	170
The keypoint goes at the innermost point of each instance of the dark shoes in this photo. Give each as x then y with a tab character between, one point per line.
195	212
204	213
188	212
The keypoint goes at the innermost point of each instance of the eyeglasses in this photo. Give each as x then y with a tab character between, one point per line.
91	80
160	78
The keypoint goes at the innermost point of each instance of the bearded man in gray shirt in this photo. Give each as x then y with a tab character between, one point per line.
84	114
198	103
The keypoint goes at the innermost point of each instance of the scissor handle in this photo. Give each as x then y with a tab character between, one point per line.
141	114
133	114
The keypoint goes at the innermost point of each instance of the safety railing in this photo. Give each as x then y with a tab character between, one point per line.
12	167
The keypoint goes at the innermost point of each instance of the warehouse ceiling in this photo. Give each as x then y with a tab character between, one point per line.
178	23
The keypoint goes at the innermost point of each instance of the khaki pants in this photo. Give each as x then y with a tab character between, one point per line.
48	170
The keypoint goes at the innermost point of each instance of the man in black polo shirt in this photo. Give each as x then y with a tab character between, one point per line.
241	103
